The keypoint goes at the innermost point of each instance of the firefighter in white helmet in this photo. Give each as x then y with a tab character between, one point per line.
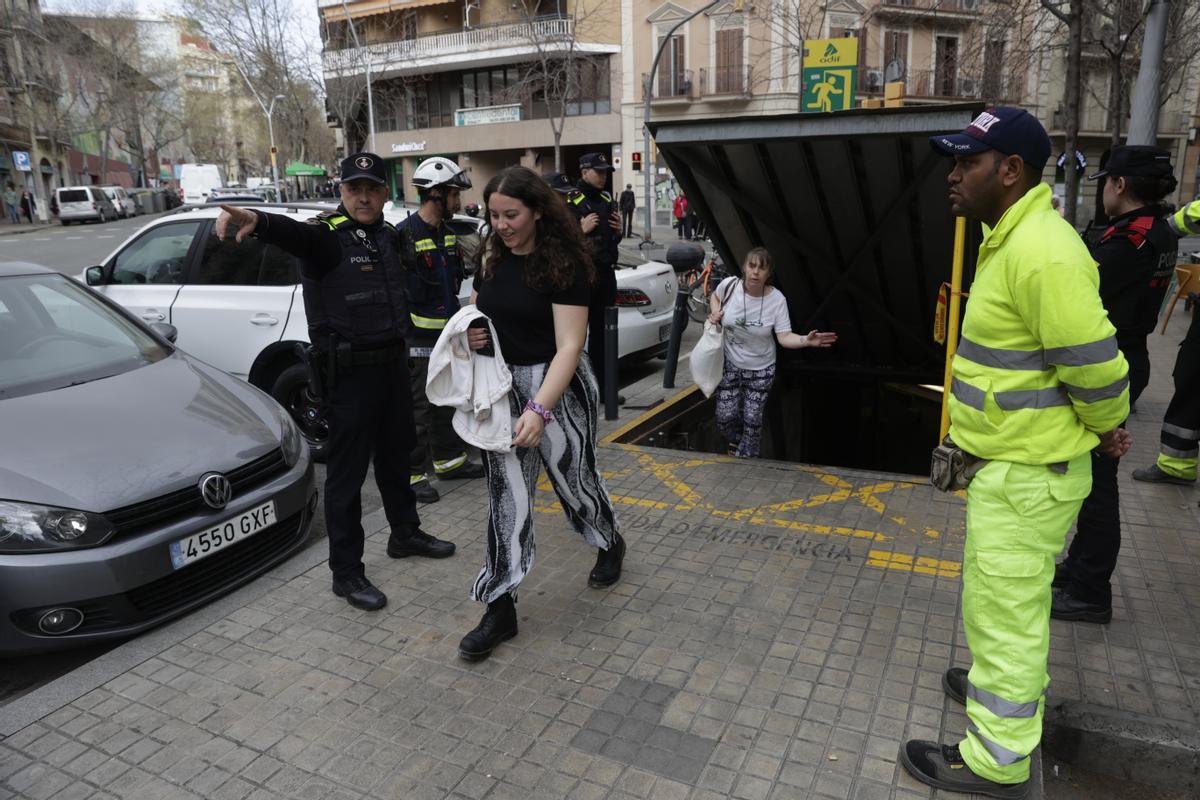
433	260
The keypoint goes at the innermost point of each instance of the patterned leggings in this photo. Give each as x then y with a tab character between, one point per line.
741	398
568	452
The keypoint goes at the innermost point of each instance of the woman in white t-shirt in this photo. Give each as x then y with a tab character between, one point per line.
754	316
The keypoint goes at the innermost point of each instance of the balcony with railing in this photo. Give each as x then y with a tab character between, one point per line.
732	82
479	45
670	86
943	10
944	85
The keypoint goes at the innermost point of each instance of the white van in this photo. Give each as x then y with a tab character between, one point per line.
121	201
82	203
196	181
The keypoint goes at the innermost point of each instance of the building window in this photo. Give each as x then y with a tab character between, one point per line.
895	47
730	73
945	71
672	69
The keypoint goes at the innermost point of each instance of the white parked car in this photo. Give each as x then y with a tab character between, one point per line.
239	307
83	203
121	201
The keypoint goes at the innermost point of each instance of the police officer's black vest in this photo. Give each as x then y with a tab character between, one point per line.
433	265
603	239
1154	249
362	299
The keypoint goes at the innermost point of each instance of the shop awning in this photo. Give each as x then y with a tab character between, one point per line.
298	169
370	7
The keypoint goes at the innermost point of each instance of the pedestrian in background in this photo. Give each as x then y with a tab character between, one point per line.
27	207
11	203
601	224
355	301
1136	257
628	204
532	283
1038	382
754	316
679	213
432	260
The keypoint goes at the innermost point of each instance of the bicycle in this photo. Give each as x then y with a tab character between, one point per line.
701	283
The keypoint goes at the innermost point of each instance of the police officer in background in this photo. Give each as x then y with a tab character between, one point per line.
601	222
430	254
354	297
1137	256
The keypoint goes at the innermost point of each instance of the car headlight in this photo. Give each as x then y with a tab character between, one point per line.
30	528
290	440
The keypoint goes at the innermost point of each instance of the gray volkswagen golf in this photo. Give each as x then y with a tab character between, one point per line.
136	482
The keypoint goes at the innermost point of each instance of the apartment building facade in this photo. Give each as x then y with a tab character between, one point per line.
473	80
746	58
27	105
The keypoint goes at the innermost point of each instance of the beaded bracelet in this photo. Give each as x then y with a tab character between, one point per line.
540	410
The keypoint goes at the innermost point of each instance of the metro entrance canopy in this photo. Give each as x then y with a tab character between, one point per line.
853	207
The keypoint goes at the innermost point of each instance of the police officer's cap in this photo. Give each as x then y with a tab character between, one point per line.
1137	161
365	166
558	182
594	161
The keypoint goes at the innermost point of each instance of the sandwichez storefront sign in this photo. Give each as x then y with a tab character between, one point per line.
487	115
408	147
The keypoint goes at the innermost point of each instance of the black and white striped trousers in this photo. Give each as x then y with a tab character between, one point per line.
568	452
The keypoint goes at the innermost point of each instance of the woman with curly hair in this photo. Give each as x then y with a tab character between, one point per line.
533	283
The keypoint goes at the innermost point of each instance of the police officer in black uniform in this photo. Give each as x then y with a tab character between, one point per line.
601	222
431	257
354	297
1137	258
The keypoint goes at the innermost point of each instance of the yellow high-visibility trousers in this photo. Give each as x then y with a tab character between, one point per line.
1017	521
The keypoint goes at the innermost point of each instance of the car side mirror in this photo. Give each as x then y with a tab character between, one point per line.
166	330
94	276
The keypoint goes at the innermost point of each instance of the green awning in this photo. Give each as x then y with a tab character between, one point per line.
299	168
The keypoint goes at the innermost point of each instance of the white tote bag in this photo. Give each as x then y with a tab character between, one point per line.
708	356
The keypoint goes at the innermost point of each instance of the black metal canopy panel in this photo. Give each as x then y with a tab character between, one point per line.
854	209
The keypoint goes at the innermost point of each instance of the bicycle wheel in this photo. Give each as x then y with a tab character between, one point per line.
697	304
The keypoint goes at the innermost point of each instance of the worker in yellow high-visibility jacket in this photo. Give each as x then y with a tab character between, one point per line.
1186	221
1038	382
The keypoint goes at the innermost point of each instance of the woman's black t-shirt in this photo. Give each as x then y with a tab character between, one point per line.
522	315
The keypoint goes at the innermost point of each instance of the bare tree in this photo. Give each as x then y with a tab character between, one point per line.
559	74
1072	17
778	32
106	88
264	41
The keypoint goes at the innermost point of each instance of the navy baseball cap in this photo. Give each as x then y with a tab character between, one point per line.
1137	161
1007	130
594	161
558	182
367	166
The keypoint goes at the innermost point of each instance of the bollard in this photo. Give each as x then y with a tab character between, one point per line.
610	362
678	322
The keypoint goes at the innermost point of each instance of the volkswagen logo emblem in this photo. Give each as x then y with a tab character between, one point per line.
215	490
667	288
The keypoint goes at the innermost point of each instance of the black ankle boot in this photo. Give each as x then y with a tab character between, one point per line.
499	624
608	565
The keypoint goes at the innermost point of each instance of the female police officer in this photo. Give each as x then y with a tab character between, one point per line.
354	296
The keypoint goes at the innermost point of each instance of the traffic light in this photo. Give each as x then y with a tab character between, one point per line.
637	162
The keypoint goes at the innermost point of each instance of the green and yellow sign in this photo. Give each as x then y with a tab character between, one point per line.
830	74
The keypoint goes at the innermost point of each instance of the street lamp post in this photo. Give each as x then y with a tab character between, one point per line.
267	111
271	133
367	60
